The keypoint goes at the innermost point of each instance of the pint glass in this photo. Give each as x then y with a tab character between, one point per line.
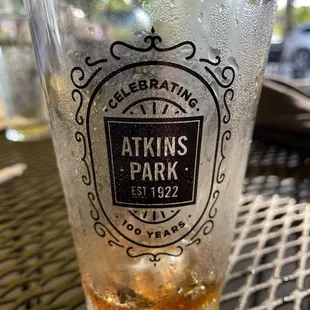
21	93
152	104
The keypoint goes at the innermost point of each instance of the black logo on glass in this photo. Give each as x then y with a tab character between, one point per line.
148	160
154	162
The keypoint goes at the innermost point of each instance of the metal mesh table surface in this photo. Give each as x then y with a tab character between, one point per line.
270	261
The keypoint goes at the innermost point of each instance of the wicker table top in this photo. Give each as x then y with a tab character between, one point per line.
270	262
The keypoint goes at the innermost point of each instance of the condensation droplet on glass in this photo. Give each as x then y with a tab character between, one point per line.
236	23
200	18
218	71
233	62
214	52
91	30
258	79
212	276
171	2
186	50
215	87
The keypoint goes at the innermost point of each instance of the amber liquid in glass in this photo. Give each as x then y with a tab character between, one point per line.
201	298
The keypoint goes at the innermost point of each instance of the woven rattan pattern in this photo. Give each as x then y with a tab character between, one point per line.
270	262
38	269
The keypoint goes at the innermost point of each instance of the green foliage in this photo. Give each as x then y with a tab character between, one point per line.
16	4
95	6
300	15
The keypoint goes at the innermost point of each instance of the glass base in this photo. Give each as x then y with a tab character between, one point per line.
91	306
33	133
195	297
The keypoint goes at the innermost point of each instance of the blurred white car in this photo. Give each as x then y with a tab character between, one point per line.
296	50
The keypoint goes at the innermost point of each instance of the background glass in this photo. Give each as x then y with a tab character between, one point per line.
20	88
136	87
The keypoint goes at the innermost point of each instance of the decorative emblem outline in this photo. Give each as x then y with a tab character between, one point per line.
80	82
